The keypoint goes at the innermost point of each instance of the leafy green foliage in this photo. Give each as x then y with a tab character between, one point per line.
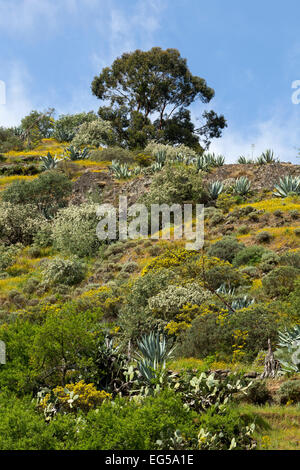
95	133
139	84
67	125
226	431
225	249
176	184
19	223
64	271
250	255
280	281
289	392
74	230
48	192
36	126
9	140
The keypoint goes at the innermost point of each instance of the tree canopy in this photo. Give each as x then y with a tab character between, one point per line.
149	93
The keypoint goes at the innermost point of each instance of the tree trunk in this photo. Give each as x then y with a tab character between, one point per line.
272	366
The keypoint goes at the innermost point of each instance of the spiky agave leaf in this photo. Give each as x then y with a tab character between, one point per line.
286	185
215	188
268	157
49	162
242	186
160	157
242	302
244	161
152	355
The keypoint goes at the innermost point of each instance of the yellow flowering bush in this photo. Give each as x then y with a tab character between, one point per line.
79	396
169	259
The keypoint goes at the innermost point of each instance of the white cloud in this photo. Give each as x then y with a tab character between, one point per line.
126	30
18	103
29	17
277	133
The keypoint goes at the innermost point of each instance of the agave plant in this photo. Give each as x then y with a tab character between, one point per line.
201	163
156	166
73	153
215	188
242	302
267	157
242	186
137	170
179	157
152	355
226	290
288	352
120	170
186	158
244	161
219	160
49	162
160	157
286	185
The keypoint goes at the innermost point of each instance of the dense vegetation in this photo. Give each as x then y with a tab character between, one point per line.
142	344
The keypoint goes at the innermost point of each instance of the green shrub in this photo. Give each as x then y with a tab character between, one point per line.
289	392
67	125
95	133
290	258
280	281
48	192
251	271
263	237
22	428
225	249
294	214
216	219
9	140
269	261
112	153
258	393
135	318
223	274
227	430
175	184
74	230
136	426
64	271
63	347
208	336
19	223
249	255
243	230
8	255
172	152
16	375
130	267
168	302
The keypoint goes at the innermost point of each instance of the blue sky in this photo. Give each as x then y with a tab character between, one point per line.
248	51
